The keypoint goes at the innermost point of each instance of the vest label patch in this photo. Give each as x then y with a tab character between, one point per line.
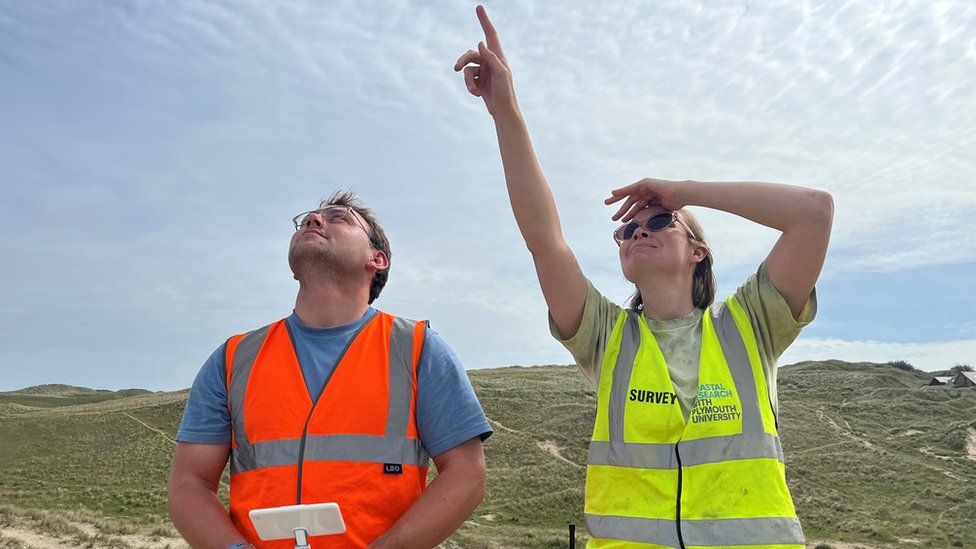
713	390
392	468
652	397
707	410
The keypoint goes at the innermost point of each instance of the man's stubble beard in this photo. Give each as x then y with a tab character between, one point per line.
311	264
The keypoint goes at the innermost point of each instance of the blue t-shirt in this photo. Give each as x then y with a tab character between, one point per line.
448	412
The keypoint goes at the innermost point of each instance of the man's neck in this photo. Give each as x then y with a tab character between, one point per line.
667	299
330	305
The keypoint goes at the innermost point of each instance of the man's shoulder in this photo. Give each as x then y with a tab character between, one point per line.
411	319
431	337
436	354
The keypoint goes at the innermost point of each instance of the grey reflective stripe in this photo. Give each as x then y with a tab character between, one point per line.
244	356
401	378
265	454
703	532
752	531
375	449
363	448
394	447
730	448
752	443
737	358
694	452
622	370
643	530
633	454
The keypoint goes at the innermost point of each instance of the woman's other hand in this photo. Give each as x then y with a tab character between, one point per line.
644	193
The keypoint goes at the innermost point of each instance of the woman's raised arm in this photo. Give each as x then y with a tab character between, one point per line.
487	75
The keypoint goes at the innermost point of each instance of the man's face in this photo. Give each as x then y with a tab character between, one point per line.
333	238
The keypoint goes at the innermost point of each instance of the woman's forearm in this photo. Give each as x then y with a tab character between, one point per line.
774	205
803	215
528	190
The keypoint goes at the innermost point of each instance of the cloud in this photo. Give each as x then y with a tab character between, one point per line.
155	154
866	101
939	355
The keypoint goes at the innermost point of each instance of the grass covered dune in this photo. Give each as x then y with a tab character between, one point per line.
873	459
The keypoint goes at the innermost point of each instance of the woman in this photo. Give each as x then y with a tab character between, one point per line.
685	450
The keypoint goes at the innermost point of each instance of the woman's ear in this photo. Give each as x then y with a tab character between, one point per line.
699	254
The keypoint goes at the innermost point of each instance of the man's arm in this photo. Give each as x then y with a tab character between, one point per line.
192	490
449	499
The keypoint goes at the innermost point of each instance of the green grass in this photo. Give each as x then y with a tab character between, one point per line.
872	458
53	396
862	442
55	401
532	496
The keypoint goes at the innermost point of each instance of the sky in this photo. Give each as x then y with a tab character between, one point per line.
152	156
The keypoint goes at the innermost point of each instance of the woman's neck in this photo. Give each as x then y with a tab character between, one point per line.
667	299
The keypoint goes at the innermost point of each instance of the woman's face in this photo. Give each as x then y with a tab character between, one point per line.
667	252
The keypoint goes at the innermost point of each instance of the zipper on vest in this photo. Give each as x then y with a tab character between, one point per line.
301	453
677	504
301	446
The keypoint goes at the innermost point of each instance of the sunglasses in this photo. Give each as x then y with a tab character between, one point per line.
654	224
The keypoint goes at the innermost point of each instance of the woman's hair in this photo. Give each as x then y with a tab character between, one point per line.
703	280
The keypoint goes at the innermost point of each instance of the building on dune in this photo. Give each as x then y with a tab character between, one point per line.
940	380
964	379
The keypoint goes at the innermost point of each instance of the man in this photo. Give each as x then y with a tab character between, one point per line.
337	402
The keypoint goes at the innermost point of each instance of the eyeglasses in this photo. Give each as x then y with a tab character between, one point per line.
331	215
654	224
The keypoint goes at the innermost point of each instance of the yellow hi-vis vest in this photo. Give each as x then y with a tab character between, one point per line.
718	480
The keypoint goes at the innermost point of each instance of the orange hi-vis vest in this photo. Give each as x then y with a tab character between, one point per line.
357	445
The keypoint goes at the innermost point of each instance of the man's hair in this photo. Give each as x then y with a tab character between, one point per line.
376	235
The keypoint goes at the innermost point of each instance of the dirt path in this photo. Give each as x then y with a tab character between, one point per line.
167	437
841	544
503	428
970	450
38	540
819	448
150	427
550	446
547	446
944	511
31	539
928	451
849	433
971	444
845	431
925	450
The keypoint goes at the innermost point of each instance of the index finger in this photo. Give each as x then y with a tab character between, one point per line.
491	35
